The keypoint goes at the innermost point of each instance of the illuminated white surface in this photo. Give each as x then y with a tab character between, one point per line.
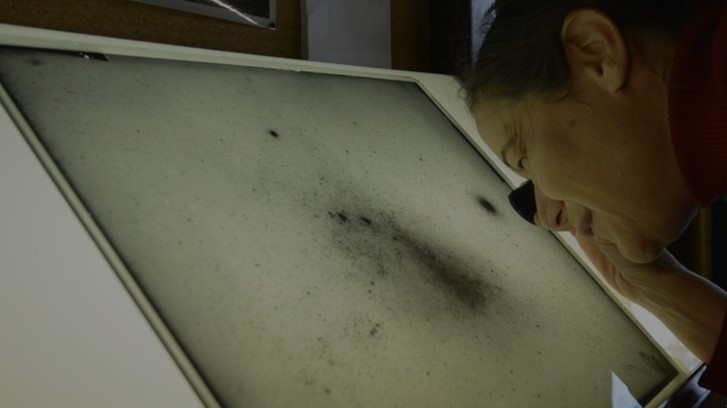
471	248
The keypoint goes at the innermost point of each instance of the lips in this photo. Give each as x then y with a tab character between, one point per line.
585	226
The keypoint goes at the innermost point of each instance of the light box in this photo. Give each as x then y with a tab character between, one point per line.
292	234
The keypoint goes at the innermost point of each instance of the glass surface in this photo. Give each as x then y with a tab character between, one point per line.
253	12
320	240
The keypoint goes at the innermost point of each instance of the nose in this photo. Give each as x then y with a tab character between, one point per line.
536	208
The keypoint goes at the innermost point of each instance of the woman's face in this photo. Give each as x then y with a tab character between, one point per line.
602	164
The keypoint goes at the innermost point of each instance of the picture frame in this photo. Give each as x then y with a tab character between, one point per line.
258	13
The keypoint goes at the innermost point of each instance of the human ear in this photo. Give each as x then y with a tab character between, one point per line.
595	48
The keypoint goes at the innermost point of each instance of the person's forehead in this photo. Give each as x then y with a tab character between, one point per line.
506	117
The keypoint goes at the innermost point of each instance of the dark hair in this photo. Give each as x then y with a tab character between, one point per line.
522	53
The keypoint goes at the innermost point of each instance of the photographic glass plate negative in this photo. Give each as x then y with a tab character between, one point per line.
312	239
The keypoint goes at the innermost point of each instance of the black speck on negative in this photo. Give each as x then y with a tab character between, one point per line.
342	216
366	221
274	133
487	205
34	61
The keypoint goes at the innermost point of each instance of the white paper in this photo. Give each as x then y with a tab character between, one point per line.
354	32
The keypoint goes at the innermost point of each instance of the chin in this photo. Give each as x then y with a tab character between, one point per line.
641	252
